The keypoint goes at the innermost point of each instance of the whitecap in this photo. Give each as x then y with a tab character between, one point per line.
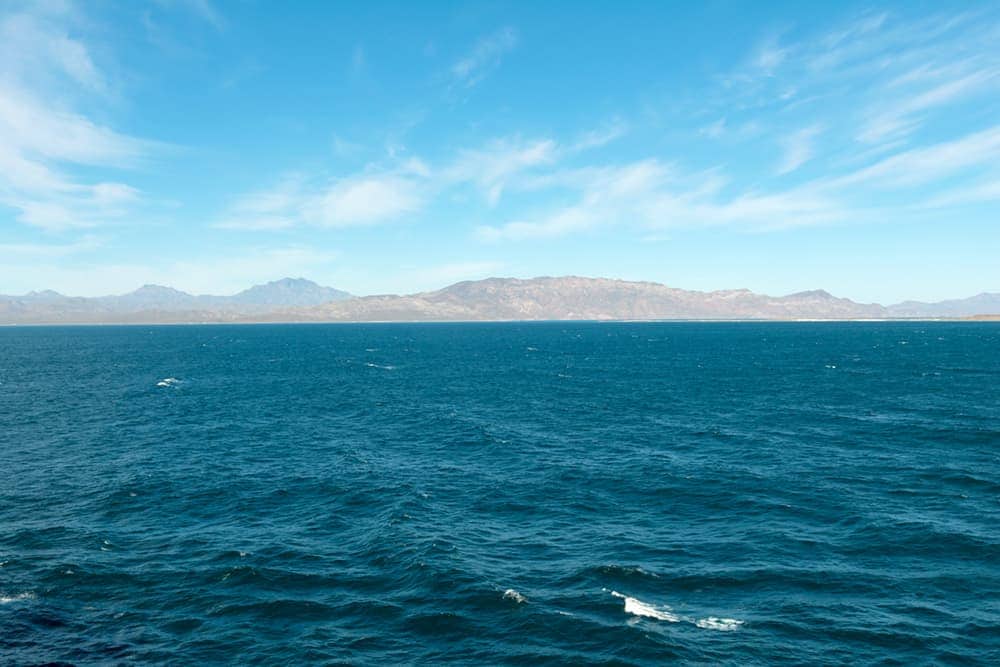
385	367
20	597
168	382
723	624
511	594
637	607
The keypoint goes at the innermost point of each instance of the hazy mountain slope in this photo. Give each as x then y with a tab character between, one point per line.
546	298
288	292
987	303
156	303
573	297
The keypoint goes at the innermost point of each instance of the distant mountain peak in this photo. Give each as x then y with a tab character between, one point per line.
297	282
541	298
812	294
44	294
152	289
289	292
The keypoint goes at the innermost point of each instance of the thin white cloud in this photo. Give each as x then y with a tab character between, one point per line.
880	79
380	194
492	166
484	57
651	195
903	115
203	9
44	74
714	130
798	148
363	200
600	137
923	165
769	57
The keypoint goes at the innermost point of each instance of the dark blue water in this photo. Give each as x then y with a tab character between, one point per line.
544	493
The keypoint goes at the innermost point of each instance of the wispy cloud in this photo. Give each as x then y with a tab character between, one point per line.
878	79
44	74
798	148
386	193
203	9
651	195
492	166
484	57
363	199
601	136
903	115
923	165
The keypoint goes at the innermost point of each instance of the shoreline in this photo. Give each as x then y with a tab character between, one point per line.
179	323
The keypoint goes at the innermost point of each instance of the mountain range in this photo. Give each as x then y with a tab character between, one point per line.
546	298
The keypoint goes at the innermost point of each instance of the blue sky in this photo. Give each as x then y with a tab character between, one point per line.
379	147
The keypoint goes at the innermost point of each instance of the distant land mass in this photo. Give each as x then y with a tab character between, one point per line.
492	299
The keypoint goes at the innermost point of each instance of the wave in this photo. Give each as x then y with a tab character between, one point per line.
20	597
511	594
385	367
168	382
637	607
723	624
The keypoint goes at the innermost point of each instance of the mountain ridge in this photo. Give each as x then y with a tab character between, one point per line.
489	299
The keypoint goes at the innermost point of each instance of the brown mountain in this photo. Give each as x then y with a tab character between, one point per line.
575	298
547	298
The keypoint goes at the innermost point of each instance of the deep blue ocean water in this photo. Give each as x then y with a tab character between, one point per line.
537	493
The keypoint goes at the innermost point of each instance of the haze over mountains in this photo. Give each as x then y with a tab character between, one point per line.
562	298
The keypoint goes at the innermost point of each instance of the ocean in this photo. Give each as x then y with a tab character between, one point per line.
513	493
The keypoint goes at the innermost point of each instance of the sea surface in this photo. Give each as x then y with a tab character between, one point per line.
483	494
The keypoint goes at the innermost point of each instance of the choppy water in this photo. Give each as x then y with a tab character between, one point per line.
501	493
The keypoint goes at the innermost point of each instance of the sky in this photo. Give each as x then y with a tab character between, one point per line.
400	147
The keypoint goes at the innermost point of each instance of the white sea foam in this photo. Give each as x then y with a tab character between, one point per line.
723	624
385	367
637	607
511	594
168	382
20	597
